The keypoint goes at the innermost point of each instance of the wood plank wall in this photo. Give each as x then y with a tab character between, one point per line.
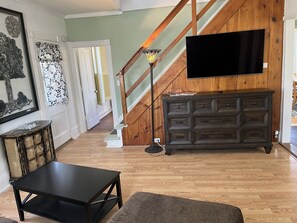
253	14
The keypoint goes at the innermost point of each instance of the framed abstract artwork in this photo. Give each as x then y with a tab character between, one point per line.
17	93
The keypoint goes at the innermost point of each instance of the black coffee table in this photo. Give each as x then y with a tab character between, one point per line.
68	193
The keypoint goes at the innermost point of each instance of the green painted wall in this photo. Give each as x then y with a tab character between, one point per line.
126	33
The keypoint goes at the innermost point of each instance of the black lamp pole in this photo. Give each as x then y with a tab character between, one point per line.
153	148
152	103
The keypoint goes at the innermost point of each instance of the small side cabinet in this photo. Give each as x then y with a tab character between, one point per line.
218	120
28	147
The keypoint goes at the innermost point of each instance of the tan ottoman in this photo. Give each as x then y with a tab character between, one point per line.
145	207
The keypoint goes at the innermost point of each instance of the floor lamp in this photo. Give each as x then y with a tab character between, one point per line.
151	55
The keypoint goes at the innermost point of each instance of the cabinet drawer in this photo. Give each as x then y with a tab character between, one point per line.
254	135
255	118
179	137
179	123
216	136
228	104
182	107
217	121
204	106
254	103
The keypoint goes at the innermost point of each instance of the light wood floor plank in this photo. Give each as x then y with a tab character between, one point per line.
263	185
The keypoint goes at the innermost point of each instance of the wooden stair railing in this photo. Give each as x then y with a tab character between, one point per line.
170	46
150	40
213	27
145	45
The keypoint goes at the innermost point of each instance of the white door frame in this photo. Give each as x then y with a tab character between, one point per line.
287	80
96	43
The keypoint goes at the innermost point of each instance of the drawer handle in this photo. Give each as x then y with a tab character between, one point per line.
227	105
201	106
179	137
255	103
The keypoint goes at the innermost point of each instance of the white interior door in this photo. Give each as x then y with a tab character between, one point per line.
85	65
60	123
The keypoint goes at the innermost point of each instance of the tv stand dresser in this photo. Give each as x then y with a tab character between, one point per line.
218	120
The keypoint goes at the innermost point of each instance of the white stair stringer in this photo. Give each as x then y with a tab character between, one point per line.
115	139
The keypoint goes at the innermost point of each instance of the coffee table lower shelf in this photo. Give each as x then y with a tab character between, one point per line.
62	211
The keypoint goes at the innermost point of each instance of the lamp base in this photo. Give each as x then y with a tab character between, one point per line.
153	149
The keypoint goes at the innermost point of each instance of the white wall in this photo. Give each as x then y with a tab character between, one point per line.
47	23
288	69
295	55
290	9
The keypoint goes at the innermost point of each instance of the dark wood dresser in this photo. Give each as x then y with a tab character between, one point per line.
218	120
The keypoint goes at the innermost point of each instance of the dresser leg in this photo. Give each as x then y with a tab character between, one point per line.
268	149
168	152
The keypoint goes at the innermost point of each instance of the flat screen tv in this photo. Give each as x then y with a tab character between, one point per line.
223	54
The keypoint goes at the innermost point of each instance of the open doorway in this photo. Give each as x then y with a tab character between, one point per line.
94	82
293	137
289	108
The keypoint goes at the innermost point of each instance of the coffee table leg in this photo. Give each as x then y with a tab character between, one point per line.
119	192
19	203
89	214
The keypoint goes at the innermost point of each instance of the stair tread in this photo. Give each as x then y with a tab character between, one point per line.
120	126
112	137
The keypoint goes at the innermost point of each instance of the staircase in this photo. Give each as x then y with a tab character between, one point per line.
209	10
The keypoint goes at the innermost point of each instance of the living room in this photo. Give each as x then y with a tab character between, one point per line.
38	30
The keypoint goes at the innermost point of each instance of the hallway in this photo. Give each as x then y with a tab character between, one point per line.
105	124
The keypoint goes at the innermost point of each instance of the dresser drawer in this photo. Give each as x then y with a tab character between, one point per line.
253	135
204	106
179	123
216	136
217	121
175	108
255	118
228	105
254	103
179	137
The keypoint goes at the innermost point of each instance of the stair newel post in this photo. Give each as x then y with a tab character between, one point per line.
123	95
194	21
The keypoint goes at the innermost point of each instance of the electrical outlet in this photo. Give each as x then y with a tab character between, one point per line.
276	134
157	140
265	65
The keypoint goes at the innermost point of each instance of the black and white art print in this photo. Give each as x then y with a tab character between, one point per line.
17	93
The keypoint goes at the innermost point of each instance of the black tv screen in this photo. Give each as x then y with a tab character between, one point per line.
225	54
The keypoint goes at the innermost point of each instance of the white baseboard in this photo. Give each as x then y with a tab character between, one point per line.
4	181
104	113
75	132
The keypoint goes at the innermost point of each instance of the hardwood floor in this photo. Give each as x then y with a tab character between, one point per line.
263	185
105	124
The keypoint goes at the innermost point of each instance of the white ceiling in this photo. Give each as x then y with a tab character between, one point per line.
68	7
84	8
